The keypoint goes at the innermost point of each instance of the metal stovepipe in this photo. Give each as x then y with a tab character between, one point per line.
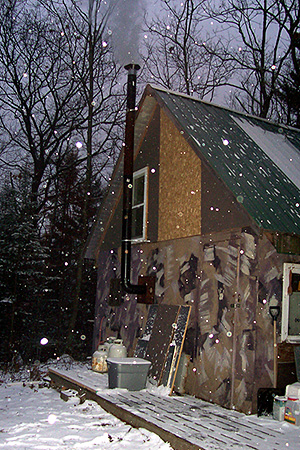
128	185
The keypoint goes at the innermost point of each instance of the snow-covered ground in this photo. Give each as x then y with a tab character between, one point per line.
34	417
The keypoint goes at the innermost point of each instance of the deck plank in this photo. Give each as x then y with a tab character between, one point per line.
186	422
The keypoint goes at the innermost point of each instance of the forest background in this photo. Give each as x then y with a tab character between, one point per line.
62	107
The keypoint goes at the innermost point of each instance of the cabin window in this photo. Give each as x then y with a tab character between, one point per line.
139	204
290	322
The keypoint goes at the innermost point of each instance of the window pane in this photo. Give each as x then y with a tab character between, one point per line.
138	190
294	314
137	221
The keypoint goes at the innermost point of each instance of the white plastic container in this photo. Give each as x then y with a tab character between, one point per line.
127	373
99	360
293	390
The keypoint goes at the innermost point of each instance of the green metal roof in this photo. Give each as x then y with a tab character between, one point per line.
258	161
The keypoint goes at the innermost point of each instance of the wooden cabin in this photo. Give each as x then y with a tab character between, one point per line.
216	209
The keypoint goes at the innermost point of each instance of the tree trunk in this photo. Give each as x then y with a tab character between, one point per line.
87	192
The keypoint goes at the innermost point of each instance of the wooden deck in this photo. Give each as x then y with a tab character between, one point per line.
185	422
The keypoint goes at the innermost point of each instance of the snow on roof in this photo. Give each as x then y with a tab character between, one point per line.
277	147
258	160
249	154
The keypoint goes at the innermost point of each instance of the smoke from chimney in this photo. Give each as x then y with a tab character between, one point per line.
126	24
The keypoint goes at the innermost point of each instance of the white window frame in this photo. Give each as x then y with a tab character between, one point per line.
142	172
287	268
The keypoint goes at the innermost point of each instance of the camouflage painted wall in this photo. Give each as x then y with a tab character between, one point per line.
228	279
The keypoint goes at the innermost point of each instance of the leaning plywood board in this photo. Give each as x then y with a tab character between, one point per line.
168	355
175	348
160	339
142	343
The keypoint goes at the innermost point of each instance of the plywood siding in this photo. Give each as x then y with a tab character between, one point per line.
220	210
179	185
228	280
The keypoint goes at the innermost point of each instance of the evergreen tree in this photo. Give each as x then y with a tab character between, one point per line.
23	262
65	236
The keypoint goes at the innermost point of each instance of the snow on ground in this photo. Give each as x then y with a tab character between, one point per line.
34	417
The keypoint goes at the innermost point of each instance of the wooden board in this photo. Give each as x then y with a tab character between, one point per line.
180	173
112	405
175	348
163	340
160	339
187	423
142	343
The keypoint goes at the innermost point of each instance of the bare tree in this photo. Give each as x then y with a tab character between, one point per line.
38	92
44	88
262	48
180	54
99	130
59	91
288	92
